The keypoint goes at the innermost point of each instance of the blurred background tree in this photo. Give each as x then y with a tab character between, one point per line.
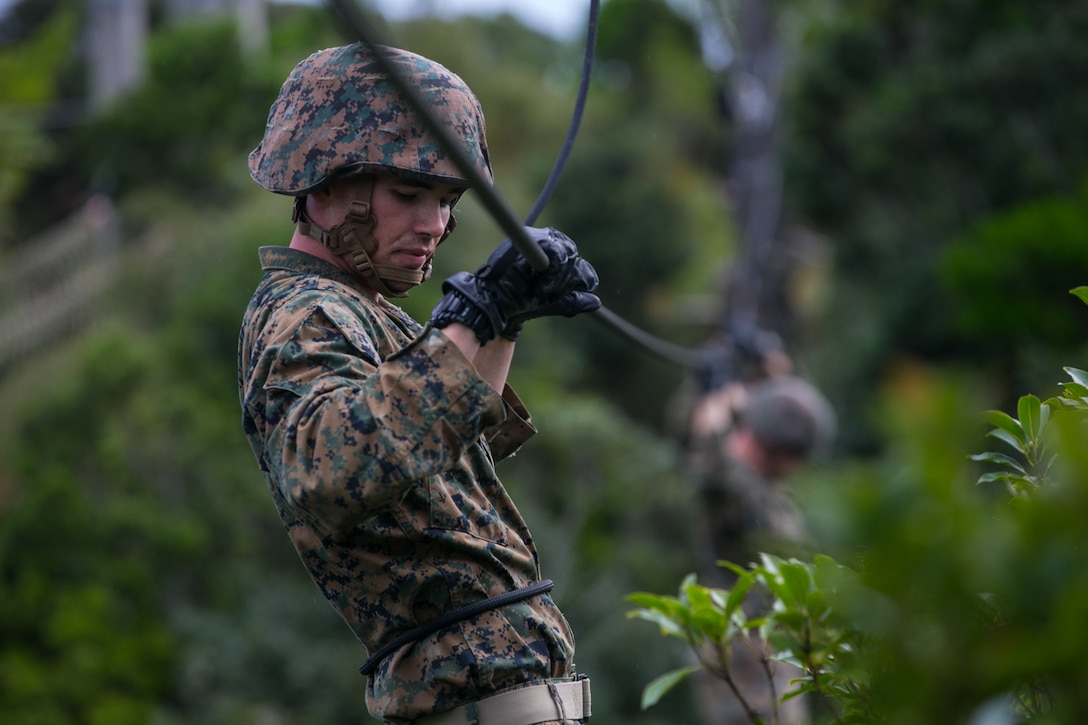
29	76
913	128
933	147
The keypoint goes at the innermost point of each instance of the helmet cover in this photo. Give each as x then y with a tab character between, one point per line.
337	112
788	415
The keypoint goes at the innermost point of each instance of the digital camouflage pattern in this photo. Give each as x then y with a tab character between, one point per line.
338	112
378	441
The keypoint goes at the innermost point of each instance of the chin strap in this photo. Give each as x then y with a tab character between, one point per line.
355	236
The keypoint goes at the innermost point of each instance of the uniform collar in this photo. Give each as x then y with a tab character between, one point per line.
299	262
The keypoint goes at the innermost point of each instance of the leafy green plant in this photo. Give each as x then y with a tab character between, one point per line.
956	602
798	626
1026	436
1029	437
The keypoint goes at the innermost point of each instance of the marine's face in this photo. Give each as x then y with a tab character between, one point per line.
410	218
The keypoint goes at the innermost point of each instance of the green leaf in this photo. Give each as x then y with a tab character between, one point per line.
1032	416
657	689
719	597
816	604
755	622
769	563
706	618
791	619
667	612
654	601
830	575
739	592
775	585
1004	421
1079	376
1081	292
798	580
1075	390
1074	403
1003	477
1000	459
735	568
804	686
1022	486
669	626
1003	435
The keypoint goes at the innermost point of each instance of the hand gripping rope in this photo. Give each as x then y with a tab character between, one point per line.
497	207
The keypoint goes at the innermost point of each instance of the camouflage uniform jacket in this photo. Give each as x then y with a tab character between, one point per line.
378	438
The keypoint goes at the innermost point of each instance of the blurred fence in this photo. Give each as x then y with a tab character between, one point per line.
54	284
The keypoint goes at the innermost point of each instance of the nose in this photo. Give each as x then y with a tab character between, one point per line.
432	219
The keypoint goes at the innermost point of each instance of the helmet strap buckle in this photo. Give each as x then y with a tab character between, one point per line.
355	235
350	234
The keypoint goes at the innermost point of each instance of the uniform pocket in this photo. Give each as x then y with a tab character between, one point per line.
459	503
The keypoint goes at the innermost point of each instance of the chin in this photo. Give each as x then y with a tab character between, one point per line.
400	287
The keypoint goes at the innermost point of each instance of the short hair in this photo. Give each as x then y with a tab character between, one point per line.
788	416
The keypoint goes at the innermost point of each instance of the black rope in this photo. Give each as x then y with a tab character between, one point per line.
489	196
576	116
450	618
667	351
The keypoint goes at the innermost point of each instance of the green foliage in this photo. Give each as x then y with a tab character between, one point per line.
81	630
653	53
28	70
1026	437
909	127
993	271
296	30
28	75
800	628
200	103
953	599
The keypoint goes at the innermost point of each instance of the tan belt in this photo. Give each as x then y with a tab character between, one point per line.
550	701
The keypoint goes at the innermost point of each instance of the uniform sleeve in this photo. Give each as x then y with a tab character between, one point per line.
516	428
348	436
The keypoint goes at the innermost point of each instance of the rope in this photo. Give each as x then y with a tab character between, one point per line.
453	617
495	204
576	116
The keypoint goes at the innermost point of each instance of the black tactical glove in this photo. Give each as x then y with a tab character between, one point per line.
506	292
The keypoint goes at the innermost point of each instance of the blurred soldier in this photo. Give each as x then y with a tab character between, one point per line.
377	435
744	441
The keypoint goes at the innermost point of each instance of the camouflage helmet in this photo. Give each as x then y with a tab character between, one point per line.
338	113
789	416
